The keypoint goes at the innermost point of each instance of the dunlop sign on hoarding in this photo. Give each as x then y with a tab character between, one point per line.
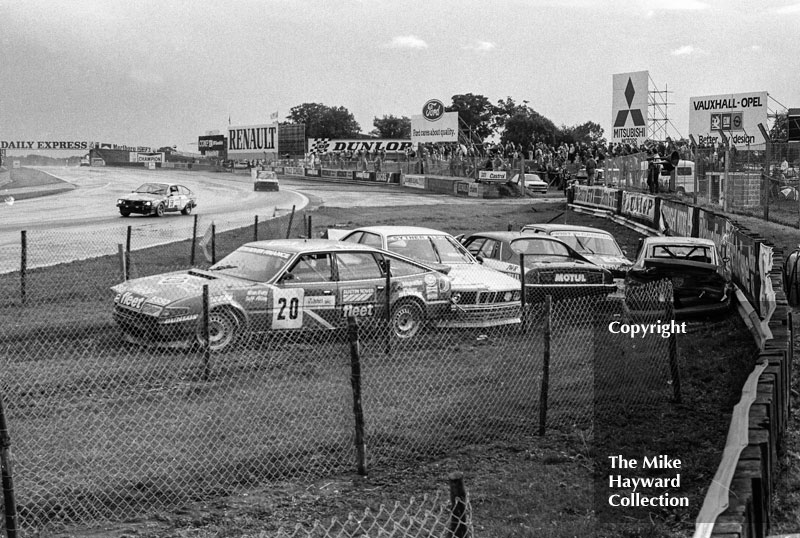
629	101
322	146
254	140
434	124
737	115
640	206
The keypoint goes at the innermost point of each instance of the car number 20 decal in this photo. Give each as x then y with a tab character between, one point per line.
287	309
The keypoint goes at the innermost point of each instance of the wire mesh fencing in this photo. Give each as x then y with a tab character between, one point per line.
113	415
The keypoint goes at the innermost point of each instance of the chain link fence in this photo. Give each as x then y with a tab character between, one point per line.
105	425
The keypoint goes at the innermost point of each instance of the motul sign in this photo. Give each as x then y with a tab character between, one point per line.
569	278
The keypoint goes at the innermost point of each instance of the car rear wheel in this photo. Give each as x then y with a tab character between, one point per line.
407	319
124	213
224	330
187	209
160	210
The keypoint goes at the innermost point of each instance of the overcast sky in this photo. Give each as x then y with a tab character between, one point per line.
163	72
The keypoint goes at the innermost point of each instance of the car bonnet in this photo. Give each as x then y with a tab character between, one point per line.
477	277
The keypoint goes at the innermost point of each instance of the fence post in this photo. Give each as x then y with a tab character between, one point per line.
289	227
255	228
673	356
767	177
121	254
23	265
310	229
458	506
206	336
548	314
9	502
355	381
388	304
194	241
128	254
522	297
213	243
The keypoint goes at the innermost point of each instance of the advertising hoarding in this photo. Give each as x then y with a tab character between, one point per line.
323	146
736	114
629	100
434	124
252	141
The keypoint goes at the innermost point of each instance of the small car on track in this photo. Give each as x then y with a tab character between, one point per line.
701	281
157	199
551	266
482	297
281	285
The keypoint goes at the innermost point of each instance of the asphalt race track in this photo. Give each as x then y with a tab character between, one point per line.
86	221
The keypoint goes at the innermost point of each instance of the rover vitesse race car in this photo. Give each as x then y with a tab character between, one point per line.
281	285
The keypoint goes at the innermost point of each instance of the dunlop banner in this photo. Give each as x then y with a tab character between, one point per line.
641	207
676	218
602	197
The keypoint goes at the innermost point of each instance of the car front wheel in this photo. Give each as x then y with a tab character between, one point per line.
224	330
407	319
160	210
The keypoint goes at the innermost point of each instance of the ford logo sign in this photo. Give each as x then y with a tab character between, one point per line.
433	110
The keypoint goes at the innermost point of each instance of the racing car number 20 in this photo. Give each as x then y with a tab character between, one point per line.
287	312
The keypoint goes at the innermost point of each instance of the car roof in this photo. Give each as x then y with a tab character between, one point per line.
678	240
305	245
499	236
565	228
394	230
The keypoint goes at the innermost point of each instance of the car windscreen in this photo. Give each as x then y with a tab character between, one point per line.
152	188
590	243
539	247
250	263
434	248
695	253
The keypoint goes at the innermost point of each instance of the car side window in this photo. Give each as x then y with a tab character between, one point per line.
173	190
490	250
474	246
312	268
353	237
403	268
358	266
372	240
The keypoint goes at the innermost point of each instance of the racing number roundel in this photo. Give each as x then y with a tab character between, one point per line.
287	308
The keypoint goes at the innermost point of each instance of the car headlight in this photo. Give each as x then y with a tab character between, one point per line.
151	309
456	297
172	311
507	296
444	285
516	295
148	203
120	201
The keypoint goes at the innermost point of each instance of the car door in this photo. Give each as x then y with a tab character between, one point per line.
174	198
306	295
362	286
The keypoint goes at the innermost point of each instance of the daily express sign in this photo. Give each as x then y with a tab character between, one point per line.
737	115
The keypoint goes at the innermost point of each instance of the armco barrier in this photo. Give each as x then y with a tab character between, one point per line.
739	498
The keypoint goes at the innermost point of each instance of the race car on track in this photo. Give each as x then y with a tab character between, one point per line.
701	282
551	266
482	297
279	285
157	199
596	245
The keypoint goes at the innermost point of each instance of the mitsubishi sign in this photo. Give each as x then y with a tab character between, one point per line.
629	101
737	115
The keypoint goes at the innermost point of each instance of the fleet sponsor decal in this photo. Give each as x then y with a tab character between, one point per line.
737	115
322	146
358	310
629	105
358	295
319	301
266	252
569	278
130	300
415	181
287	308
492	175
253	139
639	205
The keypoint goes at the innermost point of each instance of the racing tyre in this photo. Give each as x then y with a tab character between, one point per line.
124	213
407	319
160	210
187	210
223	330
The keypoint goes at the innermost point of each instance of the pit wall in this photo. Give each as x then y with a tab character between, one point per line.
739	498
457	186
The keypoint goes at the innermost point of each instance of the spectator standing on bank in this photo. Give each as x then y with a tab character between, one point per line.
591	169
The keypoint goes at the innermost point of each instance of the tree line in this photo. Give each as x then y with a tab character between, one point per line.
480	119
